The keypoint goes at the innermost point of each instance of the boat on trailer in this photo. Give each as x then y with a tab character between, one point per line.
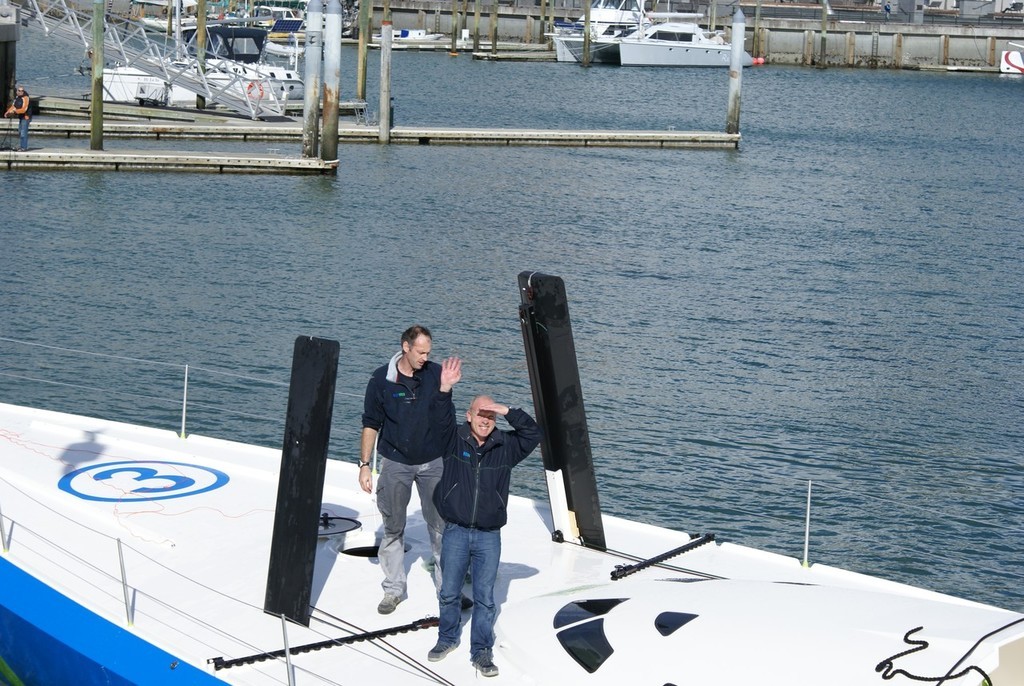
133	555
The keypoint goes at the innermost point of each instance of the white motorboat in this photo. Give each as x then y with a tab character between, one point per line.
134	555
409	36
655	43
677	44
159	15
234	59
609	20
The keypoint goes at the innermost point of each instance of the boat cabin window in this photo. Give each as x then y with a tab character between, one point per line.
245	49
241	48
673	36
619	29
620	5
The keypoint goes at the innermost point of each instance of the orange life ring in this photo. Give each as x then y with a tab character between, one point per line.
254	87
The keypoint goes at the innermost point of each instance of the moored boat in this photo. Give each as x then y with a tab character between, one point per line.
162	15
609	20
677	44
234	59
665	40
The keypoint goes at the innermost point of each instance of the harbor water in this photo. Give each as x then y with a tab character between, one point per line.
837	303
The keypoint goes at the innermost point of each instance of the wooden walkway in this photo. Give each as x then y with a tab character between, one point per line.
86	160
241	130
67	120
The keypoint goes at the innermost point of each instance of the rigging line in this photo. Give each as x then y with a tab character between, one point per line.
92	354
239	413
195	620
85	563
124	358
56	512
929	511
237	376
111	538
622	571
91	388
888	670
153	398
975	647
637	558
345	625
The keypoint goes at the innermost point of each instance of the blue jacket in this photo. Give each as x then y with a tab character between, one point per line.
404	413
474	487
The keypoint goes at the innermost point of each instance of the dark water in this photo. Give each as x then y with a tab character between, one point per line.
839	301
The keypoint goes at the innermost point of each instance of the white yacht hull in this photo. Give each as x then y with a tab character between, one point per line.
602	50
133	555
640	53
128	84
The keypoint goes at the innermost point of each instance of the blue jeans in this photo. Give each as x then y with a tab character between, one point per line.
23	133
465	549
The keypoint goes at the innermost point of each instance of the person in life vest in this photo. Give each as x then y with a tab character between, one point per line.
19	109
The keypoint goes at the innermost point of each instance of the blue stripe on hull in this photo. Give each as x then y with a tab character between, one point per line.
46	639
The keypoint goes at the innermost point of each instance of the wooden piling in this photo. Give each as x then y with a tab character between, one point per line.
96	135
386	37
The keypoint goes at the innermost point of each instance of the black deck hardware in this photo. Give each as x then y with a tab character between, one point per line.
621	571
425	623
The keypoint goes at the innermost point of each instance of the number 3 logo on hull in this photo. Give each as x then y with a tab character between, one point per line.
141	480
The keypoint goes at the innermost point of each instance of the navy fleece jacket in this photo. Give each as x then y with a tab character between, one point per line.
403	410
474	487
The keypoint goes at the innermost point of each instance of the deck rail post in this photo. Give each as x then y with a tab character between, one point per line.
184	403
3	534
287	651
124	584
807	524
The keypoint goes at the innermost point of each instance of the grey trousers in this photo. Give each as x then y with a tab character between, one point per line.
394	489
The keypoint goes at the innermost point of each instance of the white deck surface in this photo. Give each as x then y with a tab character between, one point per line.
197	565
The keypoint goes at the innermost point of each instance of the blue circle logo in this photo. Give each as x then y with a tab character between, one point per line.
119	482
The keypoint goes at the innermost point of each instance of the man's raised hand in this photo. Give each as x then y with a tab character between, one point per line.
451	373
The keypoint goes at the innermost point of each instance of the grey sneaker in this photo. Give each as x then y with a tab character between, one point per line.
440	651
485	664
388	605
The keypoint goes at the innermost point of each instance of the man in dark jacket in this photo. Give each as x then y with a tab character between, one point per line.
406	406
472	500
